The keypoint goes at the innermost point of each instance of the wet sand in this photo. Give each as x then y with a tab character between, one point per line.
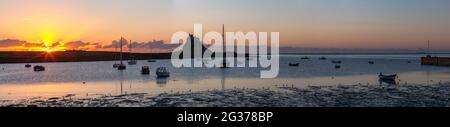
325	96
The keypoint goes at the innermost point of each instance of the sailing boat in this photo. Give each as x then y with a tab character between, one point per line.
132	61
121	66
115	65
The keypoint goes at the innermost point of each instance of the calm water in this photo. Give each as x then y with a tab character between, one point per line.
87	79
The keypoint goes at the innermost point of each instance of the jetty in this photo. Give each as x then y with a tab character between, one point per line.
436	61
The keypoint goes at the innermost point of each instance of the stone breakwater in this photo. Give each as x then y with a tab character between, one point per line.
324	96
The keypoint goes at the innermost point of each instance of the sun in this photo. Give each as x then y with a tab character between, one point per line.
49	50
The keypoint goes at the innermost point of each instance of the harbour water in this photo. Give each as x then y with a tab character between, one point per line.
90	79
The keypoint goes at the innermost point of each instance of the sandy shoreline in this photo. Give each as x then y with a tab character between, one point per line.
326	96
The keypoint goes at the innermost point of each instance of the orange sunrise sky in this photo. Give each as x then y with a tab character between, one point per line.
301	23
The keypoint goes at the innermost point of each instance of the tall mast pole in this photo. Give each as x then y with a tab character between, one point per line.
428	51
121	50
224	46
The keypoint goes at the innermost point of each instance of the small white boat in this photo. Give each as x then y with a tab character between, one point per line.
162	72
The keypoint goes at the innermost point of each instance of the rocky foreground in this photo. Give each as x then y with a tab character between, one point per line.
326	96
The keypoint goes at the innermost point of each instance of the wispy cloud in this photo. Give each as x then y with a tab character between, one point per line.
150	46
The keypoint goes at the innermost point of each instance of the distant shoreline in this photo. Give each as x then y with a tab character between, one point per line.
364	53
11	57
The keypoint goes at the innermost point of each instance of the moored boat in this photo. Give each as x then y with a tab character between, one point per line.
294	64
116	65
336	61
337	67
39	68
122	67
27	65
145	70
162	72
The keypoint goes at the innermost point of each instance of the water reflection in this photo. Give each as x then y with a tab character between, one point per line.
162	81
65	78
388	82
223	71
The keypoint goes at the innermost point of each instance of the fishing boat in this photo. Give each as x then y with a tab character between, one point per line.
145	70
371	62
27	65
387	77
336	61
294	64
162	72
305	58
39	68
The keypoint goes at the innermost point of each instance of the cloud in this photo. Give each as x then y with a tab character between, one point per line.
11	43
27	44
80	45
158	45
116	44
155	44
150	46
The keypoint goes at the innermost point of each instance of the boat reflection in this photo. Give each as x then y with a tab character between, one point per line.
162	81
388	82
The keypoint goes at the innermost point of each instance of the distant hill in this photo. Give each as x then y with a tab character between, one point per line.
73	56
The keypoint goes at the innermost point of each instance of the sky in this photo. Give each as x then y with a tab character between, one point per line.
301	23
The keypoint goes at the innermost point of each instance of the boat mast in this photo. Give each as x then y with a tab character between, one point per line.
223	41
130	46
428	50
121	50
